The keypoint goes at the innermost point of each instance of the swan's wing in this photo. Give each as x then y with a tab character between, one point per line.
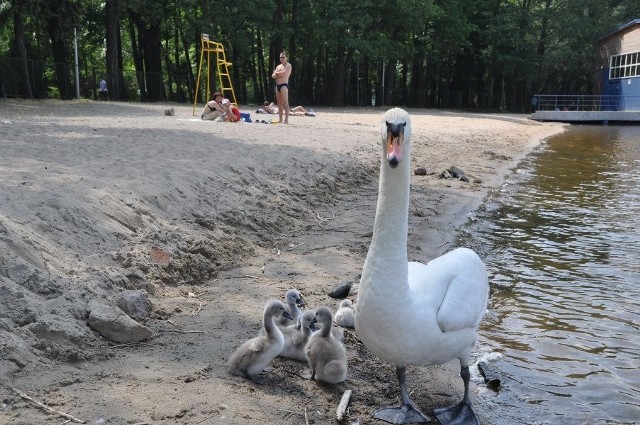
456	284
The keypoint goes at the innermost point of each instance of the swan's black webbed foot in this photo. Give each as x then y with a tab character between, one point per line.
458	414
403	414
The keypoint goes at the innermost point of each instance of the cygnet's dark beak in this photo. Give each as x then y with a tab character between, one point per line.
287	315
300	302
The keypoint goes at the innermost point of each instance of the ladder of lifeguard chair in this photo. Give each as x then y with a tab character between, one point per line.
222	67
224	78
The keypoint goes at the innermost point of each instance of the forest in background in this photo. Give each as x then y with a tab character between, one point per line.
465	54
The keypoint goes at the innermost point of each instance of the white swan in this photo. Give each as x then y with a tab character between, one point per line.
413	313
252	357
345	316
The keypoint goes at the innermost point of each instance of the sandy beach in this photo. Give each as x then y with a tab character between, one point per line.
211	220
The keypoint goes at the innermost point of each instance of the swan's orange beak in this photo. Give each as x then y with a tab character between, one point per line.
395	142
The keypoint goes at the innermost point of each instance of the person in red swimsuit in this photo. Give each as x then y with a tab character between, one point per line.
233	113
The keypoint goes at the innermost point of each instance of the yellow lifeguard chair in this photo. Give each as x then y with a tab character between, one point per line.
222	66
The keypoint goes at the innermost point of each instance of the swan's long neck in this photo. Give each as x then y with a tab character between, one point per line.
385	268
325	330
306	332
270	328
294	310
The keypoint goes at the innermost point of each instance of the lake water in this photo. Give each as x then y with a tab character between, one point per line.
561	240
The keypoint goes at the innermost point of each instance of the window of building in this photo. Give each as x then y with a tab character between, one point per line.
625	66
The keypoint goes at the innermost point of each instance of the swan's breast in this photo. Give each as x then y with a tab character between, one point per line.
432	321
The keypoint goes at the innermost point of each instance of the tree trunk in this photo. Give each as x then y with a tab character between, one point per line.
58	48
339	77
18	29
136	43
170	69
152	53
191	79
113	9
388	83
264	72
124	93
294	93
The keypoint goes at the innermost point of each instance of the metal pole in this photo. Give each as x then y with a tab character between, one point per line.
382	97
358	82
75	38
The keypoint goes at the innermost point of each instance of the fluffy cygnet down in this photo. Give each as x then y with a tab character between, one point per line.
295	339
252	357
326	355
345	316
293	299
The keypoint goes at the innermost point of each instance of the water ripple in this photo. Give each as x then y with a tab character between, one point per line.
561	243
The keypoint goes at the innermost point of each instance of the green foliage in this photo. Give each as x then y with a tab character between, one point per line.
53	92
482	53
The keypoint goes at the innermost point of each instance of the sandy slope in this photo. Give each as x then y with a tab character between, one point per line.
212	219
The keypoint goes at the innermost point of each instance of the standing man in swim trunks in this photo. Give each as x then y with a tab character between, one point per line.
281	75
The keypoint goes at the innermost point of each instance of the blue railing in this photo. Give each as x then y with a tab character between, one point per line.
558	102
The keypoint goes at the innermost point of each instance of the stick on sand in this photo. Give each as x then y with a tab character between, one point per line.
47	408
342	407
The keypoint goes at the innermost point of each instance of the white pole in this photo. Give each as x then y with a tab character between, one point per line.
358	78
383	69
358	82
75	42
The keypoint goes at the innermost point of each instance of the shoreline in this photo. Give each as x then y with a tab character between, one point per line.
242	213
488	166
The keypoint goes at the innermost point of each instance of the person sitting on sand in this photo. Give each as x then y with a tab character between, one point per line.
232	112
213	110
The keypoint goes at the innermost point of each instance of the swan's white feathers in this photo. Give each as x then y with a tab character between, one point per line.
413	313
448	281
396	116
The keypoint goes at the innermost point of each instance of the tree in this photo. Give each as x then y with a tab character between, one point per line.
482	54
147	17
60	17
113	11
18	28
